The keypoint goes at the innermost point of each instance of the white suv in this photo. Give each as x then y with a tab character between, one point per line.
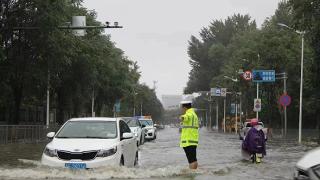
136	128
150	130
83	143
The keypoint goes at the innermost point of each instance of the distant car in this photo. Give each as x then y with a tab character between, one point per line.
136	128
308	167
159	126
151	131
83	143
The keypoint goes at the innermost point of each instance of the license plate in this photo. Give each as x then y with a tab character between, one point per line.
75	165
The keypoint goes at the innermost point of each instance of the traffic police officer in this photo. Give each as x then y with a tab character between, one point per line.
189	133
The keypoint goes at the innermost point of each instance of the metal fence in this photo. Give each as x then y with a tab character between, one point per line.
24	133
307	134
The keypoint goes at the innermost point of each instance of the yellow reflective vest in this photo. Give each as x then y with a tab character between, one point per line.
190	129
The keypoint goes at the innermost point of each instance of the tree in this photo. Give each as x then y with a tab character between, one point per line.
306	15
208	54
248	48
77	69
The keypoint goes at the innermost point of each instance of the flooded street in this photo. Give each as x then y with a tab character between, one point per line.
218	156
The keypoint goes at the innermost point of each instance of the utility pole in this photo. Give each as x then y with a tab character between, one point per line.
301	87
92	104
217	114
236	128
240	107
210	113
48	99
257	115
285	107
155	85
284	77
224	115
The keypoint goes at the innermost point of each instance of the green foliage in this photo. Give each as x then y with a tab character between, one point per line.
306	15
79	69
209	54
226	47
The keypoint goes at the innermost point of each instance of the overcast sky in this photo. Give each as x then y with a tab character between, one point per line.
156	32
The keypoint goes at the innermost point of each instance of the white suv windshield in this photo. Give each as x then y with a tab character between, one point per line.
89	129
146	122
132	122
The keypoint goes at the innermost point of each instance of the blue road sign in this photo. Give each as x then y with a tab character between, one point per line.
233	108
263	76
215	91
285	100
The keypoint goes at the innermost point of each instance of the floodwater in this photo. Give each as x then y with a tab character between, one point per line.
219	157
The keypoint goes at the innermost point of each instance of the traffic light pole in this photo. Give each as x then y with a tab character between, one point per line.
224	115
217	114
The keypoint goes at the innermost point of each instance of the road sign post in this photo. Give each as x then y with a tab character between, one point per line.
218	92
285	100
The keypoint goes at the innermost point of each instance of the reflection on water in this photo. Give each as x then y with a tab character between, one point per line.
218	155
11	153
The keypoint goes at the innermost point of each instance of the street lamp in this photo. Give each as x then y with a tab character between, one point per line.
301	33
134	103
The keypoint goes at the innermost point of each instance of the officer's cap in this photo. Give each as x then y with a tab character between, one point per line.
185	102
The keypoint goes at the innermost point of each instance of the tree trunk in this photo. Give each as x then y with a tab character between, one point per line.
17	93
60	108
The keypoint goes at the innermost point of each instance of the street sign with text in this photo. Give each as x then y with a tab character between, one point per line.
263	76
215	91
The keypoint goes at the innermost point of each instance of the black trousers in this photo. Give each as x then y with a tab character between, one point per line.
191	153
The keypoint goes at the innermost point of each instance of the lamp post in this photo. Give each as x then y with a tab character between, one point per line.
301	33
134	103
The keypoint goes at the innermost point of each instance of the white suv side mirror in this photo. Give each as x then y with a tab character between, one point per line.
127	135
50	135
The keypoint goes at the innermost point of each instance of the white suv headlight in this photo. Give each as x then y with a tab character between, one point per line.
108	152
50	152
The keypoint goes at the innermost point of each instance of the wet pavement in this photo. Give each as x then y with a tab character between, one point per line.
219	157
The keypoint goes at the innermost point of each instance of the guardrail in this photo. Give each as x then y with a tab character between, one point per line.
24	133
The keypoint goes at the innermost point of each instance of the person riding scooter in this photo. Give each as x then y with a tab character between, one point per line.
254	143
